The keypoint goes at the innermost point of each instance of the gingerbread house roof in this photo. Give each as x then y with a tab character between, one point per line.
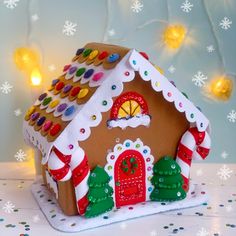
64	114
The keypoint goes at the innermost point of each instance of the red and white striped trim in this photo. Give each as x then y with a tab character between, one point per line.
63	167
193	145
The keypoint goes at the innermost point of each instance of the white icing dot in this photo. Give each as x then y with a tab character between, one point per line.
179	194
106	190
173	166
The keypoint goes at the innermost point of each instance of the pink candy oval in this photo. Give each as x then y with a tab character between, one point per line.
97	76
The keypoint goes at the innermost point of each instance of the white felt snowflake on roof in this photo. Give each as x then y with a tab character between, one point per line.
6	87
20	155
210	48
69	28
8	207
224	172
199	79
136	6
186	6
232	116
11	4
225	23
172	69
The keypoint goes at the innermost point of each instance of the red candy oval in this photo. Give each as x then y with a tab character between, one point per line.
55	129
59	86
75	91
103	55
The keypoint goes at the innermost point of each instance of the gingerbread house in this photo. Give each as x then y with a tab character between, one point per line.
113	109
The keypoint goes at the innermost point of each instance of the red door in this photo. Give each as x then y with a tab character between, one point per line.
130	186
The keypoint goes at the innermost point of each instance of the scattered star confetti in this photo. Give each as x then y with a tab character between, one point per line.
199	172
186	6
34	17
224	154
8	207
20	155
224	172
225	23
229	208
232	116
136	6
18	112
36	218
172	69
6	87
153	233
202	232
52	67
210	48
111	32
199	79
11	4
123	225
69	28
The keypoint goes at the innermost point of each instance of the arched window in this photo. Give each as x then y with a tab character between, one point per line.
129	110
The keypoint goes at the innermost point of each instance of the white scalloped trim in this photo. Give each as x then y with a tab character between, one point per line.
137	146
169	91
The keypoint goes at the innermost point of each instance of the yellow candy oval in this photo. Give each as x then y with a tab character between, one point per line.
83	93
30	111
54	103
93	54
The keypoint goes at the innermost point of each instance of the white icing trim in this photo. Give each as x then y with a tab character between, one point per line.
161	83
137	146
130	122
52	183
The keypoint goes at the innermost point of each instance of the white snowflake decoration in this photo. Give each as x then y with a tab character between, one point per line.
199	79
123	225
224	154
20	155
232	116
11	4
8	207
199	172
137	6
18	112
153	233
6	87
224	172
186	6
69	28
36	218
210	48
172	69
34	17
203	232
229	208
52	67
225	23
111	32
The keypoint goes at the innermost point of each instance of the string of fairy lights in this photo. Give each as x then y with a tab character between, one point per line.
174	36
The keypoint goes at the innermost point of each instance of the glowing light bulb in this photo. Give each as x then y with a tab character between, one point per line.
36	77
173	36
26	59
221	88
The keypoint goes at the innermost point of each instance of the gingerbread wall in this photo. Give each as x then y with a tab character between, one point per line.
162	136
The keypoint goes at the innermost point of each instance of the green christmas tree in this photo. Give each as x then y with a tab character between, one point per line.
167	181
100	193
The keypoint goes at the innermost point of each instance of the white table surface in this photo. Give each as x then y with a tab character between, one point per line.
217	218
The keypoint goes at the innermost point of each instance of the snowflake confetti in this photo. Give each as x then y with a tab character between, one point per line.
18	112
199	79
6	87
20	155
186	6
172	69
136	6
232	116
229	208
153	233
36	218
11	4
8	207
210	48
225	23
123	225
224	154
34	17
199	172
52	67
69	28
202	232
224	172
111	32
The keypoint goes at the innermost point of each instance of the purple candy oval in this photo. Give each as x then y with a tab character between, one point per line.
61	107
42	96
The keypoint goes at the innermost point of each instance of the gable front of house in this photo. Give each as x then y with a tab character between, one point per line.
124	117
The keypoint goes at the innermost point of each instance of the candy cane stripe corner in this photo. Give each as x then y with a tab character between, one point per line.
193	145
75	166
